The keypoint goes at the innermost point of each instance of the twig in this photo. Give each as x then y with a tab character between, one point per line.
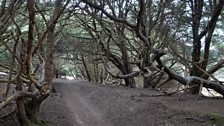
192	118
8	114
17	95
157	95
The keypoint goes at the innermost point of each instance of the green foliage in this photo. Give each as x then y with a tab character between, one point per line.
217	119
42	123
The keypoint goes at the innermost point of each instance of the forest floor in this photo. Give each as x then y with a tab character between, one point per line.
80	103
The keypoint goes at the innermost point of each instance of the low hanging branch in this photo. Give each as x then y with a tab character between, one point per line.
133	74
19	94
219	88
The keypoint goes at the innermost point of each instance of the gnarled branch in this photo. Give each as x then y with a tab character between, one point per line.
219	88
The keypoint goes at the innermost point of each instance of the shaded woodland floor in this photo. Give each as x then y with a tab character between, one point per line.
79	103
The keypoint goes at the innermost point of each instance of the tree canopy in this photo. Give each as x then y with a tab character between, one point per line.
133	42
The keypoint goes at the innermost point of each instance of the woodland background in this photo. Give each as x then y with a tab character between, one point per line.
136	43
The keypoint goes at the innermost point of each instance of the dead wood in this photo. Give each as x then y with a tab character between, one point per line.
157	95
19	94
218	87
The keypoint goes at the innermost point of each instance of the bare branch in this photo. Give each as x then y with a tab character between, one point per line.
212	22
16	96
112	17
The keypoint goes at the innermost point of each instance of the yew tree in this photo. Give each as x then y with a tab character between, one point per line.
28	36
197	18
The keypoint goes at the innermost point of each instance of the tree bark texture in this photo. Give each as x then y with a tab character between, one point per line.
197	57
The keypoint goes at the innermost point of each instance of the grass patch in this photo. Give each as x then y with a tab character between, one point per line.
216	118
40	123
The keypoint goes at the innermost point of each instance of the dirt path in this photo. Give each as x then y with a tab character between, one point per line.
102	105
80	103
83	113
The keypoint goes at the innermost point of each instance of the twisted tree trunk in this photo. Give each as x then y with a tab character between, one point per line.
28	108
207	33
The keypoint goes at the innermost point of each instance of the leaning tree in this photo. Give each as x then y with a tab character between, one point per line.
29	38
199	20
